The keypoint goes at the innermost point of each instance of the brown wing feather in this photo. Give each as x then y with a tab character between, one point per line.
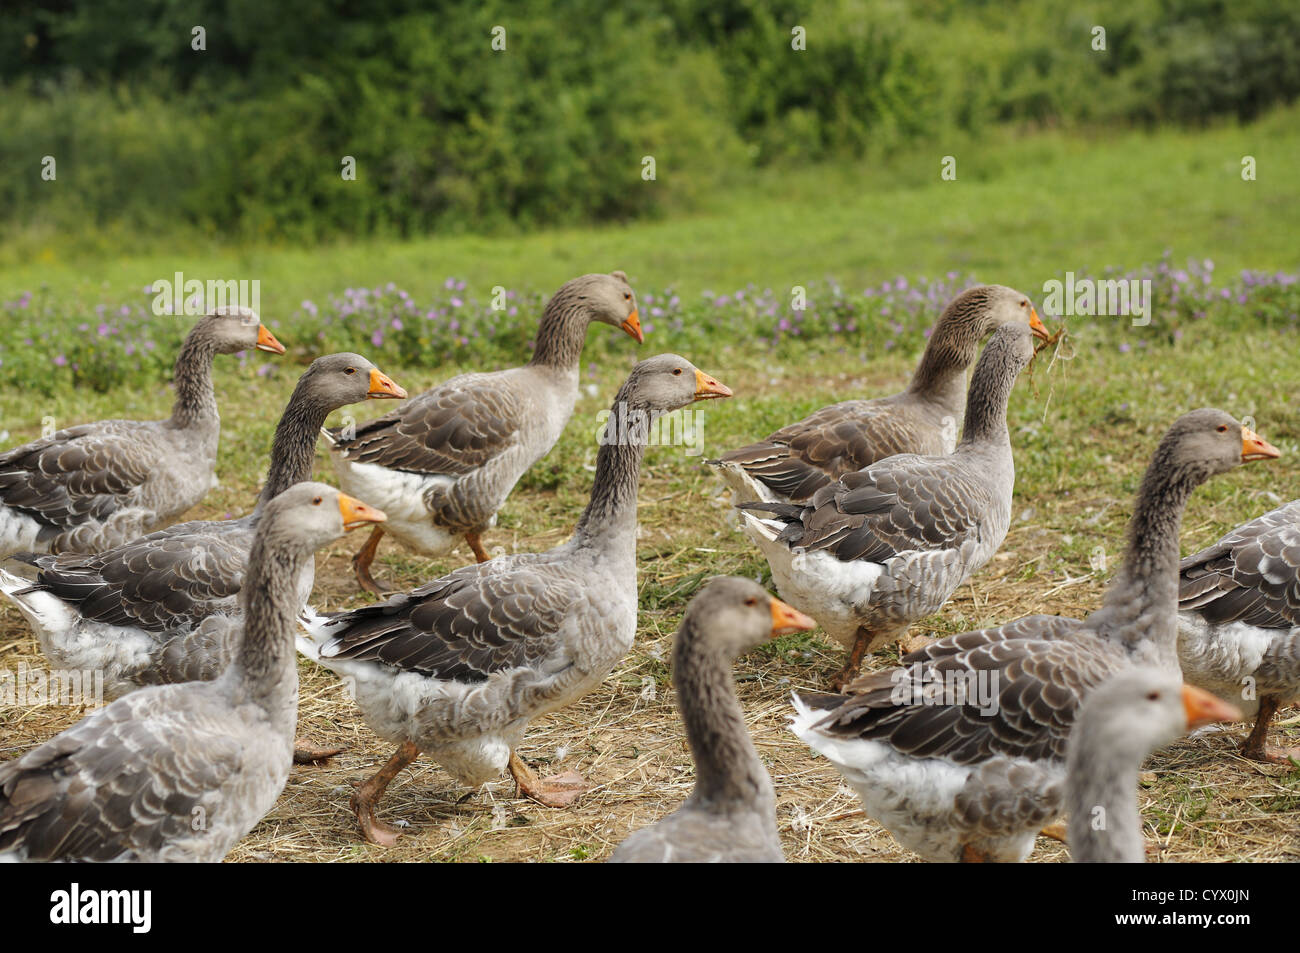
1251	575
462	627
801	458
452	429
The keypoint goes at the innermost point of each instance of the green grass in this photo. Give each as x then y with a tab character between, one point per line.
1024	208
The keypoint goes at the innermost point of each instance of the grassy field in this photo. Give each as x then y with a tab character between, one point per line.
1083	424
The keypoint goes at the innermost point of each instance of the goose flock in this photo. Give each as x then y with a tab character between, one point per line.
869	513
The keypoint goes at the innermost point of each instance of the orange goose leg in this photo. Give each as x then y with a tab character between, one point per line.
560	790
476	544
361	564
850	670
1256	746
367	796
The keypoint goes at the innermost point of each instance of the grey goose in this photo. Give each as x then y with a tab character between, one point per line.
92	486
801	458
730	816
960	751
445	461
182	772
1135	712
878	549
165	607
458	667
1239	622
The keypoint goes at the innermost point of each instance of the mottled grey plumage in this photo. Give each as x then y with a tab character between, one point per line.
730	815
909	758
163	608
444	462
1239	617
96	485
878	549
181	772
460	665
801	458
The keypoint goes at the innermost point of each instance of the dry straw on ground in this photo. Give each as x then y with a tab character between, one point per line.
1200	801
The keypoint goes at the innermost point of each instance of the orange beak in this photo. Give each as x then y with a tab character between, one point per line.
1255	447
787	619
1202	708
633	326
355	513
266	341
383	386
1037	326
707	388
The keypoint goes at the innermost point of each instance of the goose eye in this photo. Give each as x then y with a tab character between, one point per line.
350	370
1024	304
677	372
1222	428
627	296
1153	697
316	501
751	601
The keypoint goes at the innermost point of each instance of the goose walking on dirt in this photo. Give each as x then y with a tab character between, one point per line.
182	772
458	667
165	607
731	814
1132	714
445	462
879	549
958	751
93	486
799	459
1239	622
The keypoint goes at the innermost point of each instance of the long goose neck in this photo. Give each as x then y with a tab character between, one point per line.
941	375
1141	605
1105	826
293	450
986	404
196	403
562	332
265	662
728	773
610	517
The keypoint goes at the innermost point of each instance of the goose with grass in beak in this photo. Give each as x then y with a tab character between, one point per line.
881	548
458	667
731	814
793	463
93	486
182	772
443	464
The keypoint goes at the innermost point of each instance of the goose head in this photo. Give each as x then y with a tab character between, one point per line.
736	615
668	382
1206	442
235	328
311	515
336	380
610	300
1143	709
993	306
